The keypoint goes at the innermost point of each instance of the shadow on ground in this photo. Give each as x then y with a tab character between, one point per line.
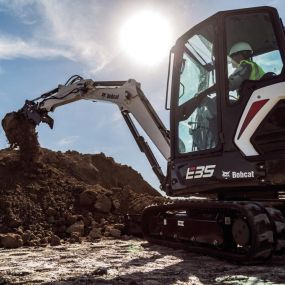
181	267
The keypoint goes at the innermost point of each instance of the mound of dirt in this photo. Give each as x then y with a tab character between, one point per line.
67	197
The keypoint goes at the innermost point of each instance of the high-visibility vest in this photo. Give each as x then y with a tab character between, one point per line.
256	71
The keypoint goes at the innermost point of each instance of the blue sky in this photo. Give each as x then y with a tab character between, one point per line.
43	43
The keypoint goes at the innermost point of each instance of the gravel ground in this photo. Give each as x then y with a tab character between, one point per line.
132	262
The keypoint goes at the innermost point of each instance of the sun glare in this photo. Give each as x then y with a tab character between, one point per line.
146	37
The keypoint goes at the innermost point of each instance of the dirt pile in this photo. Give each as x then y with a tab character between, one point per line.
67	197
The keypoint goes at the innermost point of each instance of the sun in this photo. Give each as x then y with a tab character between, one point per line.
146	37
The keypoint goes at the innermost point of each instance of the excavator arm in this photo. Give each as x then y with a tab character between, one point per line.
127	95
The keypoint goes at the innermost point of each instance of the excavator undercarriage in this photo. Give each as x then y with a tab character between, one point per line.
244	232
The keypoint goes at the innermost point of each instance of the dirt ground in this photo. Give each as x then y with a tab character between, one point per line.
128	262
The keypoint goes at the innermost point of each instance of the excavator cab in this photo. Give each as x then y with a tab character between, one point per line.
228	142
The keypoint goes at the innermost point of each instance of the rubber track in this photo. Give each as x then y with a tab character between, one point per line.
265	239
278	220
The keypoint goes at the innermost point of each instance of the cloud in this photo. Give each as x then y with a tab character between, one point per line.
73	30
81	33
15	47
67	141
22	9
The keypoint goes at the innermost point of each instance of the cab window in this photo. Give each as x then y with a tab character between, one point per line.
251	54
197	105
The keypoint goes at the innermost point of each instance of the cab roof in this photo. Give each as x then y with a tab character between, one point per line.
240	28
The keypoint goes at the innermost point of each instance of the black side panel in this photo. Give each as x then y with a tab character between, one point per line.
269	138
214	173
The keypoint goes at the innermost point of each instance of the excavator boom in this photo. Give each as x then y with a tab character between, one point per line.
127	95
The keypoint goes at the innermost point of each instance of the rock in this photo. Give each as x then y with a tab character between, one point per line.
88	220
119	226
71	219
87	198
54	240
115	233
103	204
11	240
100	271
77	227
103	222
60	221
19	231
126	237
95	224
111	231
51	211
95	233
61	229
51	219
18	187
26	236
34	242
13	222
44	241
75	237
116	204
32	236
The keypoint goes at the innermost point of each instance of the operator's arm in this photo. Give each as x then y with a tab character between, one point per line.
240	74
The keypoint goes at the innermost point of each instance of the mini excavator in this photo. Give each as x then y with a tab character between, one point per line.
227	146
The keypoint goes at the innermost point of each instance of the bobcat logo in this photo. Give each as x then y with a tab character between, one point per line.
226	174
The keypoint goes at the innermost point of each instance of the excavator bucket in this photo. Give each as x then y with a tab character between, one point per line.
17	125
31	112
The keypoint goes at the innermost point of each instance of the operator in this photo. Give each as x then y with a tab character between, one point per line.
246	68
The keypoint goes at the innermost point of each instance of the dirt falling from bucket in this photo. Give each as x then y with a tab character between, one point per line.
21	133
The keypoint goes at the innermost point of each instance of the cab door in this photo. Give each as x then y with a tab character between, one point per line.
195	110
196	107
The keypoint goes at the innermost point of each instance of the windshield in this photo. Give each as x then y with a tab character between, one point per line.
197	116
197	69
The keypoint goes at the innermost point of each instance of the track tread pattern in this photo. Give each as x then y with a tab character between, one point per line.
267	233
279	229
